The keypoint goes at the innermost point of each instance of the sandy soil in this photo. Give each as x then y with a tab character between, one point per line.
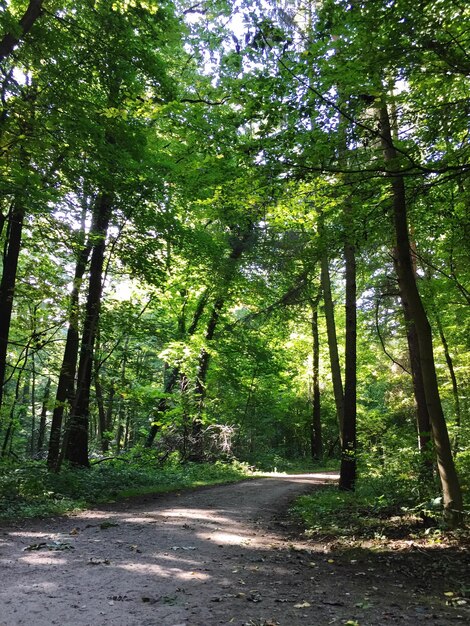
219	555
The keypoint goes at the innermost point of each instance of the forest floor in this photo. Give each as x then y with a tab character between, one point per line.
220	555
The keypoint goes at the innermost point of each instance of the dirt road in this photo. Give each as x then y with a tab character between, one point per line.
220	555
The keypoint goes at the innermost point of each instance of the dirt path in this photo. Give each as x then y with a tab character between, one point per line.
222	555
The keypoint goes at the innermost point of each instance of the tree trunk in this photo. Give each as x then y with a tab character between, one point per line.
32	447
42	417
66	384
316	439
453	378
452	494
7	285
347	478
76	444
423	422
101	409
10	40
332	344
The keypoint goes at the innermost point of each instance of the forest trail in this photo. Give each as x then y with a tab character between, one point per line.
218	555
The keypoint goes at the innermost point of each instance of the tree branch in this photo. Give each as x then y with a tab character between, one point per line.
10	40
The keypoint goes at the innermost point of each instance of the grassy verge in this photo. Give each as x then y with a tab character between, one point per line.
389	507
30	490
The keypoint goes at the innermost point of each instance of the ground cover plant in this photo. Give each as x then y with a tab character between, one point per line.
30	490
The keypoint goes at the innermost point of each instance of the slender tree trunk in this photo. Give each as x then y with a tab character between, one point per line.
7	285
332	343
101	409
348	450
120	411
32	447
12	422
43	417
65	388
109	416
423	422
76	444
453	378
197	452
452	494
422	416
316	439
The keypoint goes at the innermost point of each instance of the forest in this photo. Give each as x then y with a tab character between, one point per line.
234	235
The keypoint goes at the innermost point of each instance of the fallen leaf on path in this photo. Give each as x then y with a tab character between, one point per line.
302	605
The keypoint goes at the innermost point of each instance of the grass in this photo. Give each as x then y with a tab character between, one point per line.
29	490
383	507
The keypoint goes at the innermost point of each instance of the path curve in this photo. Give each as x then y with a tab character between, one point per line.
217	555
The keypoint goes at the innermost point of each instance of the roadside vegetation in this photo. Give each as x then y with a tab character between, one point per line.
29	490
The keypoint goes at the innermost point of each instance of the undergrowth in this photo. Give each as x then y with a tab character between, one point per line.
392	505
30	490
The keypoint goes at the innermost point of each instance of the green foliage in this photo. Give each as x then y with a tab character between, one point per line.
30	490
391	503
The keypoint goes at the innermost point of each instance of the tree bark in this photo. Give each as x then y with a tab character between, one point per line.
76	444
453	378
10	40
452	494
316	439
423	422
347	478
66	384
7	285
42	417
332	344
101	409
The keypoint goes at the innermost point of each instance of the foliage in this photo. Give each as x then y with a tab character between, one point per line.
387	504
29	490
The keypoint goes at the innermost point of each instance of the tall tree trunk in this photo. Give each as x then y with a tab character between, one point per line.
332	344
453	378
7	284
197	452
423	422
109	416
32	447
76	444
12	423
347	478
101	409
65	388
316	430
452	494
43	417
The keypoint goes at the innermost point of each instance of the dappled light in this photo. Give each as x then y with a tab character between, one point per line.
234	312
220	555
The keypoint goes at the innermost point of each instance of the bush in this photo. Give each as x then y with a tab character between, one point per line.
30	490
